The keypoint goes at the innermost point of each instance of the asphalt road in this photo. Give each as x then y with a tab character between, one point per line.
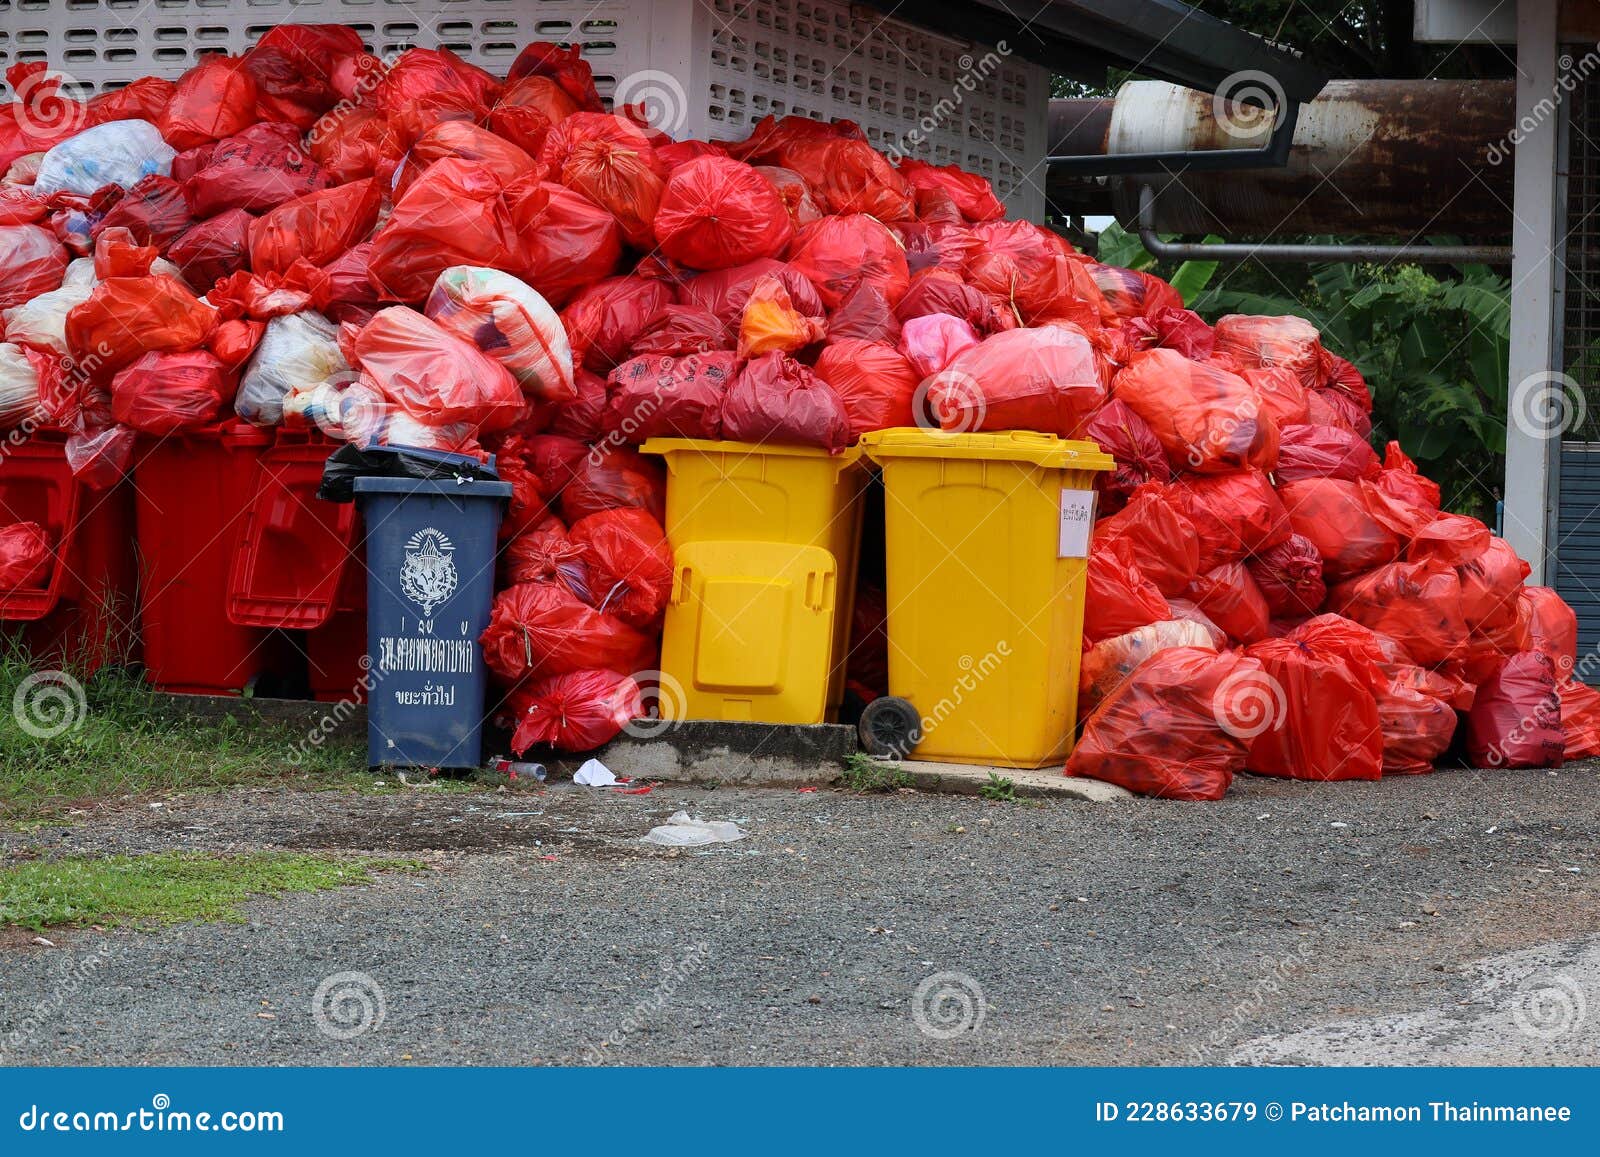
1452	918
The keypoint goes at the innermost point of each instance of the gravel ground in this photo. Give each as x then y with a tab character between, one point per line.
1291	922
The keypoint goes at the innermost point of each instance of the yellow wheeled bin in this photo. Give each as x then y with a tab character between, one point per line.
764	543
988	544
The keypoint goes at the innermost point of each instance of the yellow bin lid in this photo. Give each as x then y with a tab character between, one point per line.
1001	446
665	446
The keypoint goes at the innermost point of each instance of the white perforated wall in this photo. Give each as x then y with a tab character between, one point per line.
734	61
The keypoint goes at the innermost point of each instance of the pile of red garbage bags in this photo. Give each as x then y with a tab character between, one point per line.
418	252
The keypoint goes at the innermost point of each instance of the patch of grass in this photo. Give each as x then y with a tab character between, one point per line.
168	887
109	735
998	788
864	775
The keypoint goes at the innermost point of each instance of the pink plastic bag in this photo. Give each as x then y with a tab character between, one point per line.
1023	379
932	341
1516	718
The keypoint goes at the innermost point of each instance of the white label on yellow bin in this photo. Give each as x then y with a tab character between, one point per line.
1077	523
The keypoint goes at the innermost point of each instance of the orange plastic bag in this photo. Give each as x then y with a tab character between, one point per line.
433	375
666	397
1106	664
1417	727
716	213
611	161
776	399
630	564
1023	379
1334	516
1169	730
1282	397
1233	514
873	380
1208	420
771	322
214	99
1320	717
542	629
1118	597
1161	537
1418	604
128	316
1515	720
165	393
454	214
1289	576
1553	627
1229	597
528	108
1490	584
318	227
1453	539
836	254
577	711
1288	341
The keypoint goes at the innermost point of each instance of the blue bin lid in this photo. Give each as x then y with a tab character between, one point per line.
450	487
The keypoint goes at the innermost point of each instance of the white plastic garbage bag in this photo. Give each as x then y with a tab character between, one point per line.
19	386
508	320
298	353
42	321
115	153
684	831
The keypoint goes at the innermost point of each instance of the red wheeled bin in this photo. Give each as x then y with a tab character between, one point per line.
298	567
83	615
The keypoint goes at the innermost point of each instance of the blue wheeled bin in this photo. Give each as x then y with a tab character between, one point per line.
430	582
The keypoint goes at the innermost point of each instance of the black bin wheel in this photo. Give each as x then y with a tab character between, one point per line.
890	727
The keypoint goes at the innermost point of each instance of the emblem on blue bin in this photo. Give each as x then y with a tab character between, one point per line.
428	574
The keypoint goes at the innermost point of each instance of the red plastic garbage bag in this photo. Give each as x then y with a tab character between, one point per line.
1399	517
1515	720
792	189
18	206
1453	539
850	176
1580	719
1418	604
716	213
528	108
724	292
681	329
776	399
1284	399
1401	479
318	227
1341	376
867	669
944	248
1552	626
143	100
565	66
570	242
932	341
1289	576
454	214
1208	420
40	117
234	340
630	564
1233	514
465	141
1490	584
551	458
434	376
865	314
935	291
836	254
527	507
1287	341
1334	515
100	458
1036	273
1106	664
154	210
543	629
875	383
210	250
1159	733
611	161
668	397
581	419
1417	727
1230	598
164	393
439	75
1118	597
545	551
128	316
258	169
1129	439
1023	379
117	254
1318	719
577	711
294	66
1332	408
25	556
348	293
609	477
1132	293
352	143
603	321
971	194
32	262
213	100
1161	537
1322	452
